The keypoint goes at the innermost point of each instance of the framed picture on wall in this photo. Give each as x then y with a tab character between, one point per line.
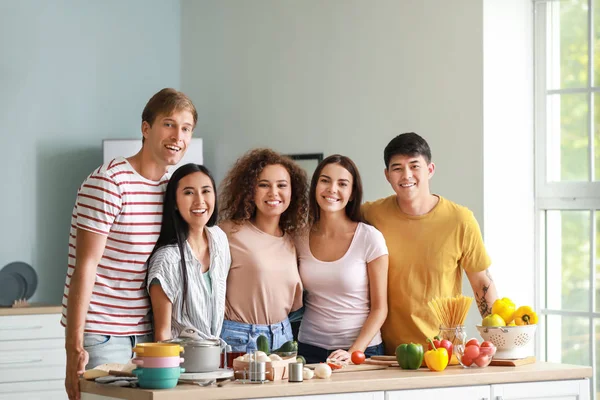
308	161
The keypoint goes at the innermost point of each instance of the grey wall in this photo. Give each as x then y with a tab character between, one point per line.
71	74
340	76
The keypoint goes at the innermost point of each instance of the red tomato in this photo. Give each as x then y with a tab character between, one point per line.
472	352
334	365
482	361
487	344
358	357
466	361
472	341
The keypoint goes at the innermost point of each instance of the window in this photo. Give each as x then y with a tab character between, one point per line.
567	92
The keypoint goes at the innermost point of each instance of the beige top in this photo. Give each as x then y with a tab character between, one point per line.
263	285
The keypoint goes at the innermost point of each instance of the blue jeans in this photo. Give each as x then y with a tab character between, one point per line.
313	354
104	349
242	337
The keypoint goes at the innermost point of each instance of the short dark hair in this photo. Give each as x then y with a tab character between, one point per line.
353	206
406	144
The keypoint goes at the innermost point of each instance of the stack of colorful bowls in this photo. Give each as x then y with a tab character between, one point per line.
158	365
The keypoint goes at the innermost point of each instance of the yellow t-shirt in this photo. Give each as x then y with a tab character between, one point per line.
427	254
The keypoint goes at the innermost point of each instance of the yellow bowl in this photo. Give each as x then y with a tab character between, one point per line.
158	349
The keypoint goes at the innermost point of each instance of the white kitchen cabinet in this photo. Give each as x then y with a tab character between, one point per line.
340	396
555	390
450	393
32	357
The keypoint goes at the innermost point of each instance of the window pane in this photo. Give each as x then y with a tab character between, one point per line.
568	339
596	148
567	45
597	264
568	260
567	151
597	359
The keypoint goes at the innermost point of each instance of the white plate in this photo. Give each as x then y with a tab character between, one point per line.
202	376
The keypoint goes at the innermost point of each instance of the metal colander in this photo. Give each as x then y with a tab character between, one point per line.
512	342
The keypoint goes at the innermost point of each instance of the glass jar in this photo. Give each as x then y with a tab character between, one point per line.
457	335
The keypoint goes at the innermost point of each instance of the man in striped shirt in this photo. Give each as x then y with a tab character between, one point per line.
114	227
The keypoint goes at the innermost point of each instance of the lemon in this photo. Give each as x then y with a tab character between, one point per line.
493	320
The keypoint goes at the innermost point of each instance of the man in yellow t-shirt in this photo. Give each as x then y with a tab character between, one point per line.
430	239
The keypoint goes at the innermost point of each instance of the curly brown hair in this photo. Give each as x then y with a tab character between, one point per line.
239	186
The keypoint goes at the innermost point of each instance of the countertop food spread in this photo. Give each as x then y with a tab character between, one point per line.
392	378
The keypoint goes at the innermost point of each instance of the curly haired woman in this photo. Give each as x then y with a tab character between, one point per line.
263	206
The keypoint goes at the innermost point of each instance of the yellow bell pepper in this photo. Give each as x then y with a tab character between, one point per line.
436	359
505	308
525	316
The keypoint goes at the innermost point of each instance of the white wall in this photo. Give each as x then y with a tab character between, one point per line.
71	74
340	76
508	146
347	75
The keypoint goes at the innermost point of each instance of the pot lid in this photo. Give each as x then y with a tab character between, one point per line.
192	338
192	342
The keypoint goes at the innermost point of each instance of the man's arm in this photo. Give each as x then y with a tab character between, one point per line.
484	289
89	248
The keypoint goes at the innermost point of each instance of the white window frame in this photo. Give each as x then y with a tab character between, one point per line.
561	196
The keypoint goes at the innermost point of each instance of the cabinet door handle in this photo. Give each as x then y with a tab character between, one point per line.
35	360
18	328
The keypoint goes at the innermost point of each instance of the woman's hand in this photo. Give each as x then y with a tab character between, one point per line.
340	355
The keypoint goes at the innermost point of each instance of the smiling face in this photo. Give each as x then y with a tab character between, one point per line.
273	191
409	177
334	188
167	139
195	199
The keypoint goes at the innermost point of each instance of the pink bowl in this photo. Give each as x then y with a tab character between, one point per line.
157	362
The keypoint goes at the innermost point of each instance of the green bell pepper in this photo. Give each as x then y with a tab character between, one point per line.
409	356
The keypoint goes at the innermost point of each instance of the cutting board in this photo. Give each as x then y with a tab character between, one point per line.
352	368
512	363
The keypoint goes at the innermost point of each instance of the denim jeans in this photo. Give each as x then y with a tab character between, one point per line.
242	337
104	349
313	354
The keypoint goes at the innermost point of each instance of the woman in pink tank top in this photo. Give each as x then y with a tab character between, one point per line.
343	264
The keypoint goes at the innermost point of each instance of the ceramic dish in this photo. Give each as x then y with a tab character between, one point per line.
28	274
201	376
12	287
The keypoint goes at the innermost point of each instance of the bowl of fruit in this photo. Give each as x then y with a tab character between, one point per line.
475	354
510	329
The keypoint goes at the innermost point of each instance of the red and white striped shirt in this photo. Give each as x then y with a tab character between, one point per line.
118	202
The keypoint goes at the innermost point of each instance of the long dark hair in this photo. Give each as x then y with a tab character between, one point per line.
353	206
174	229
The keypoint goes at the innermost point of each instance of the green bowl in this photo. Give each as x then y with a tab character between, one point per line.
158	378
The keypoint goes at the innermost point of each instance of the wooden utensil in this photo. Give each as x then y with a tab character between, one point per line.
512	363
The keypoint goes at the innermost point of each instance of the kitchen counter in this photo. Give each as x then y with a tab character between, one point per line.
374	380
32	309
